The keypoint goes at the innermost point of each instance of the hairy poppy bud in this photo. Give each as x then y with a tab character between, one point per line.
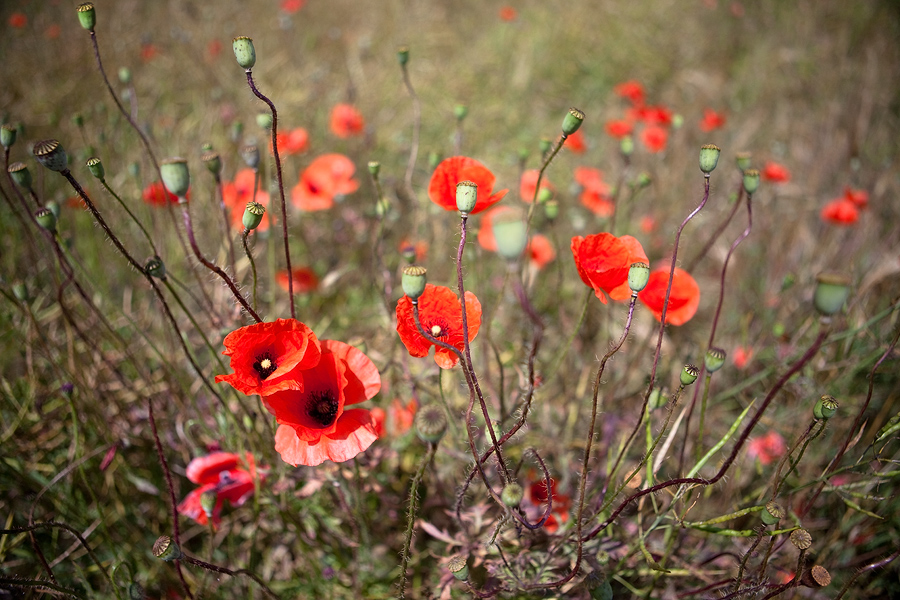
751	180
7	135
213	161
20	174
742	159
458	567
825	407
715	359
166	549
46	219
510	233
253	215
244	51
638	276
86	15
572	121
466	196
51	154
431	423
832	290
772	513
709	158
512	494
95	166
689	374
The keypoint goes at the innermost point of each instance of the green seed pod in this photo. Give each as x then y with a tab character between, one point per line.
626	145
751	180
644	179
175	176
511	235
551	209
801	539
544	195
715	359
208	502
598	586
20	174
86	15
155	268
52	155
250	154
638	276
825	407
466	196
772	513
46	219
458	567
253	215
53	206
244	52
512	494
237	130
544	145
431	423
374	168
7	135
403	55
124	75
677	121
689	374
709	158
212	161
460	111
832	290
572	121
408	252
166	549
95	166
742	159
264	120
382	207
413	281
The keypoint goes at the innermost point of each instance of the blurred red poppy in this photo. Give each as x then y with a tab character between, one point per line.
440	315
148	52
442	188
654	138
418	249
741	356
238	193
156	194
291	142
305	280
630	90
52	32
619	128
219	473
684	299
603	261
711	120
840	212
528	184
17	20
767	448
327	176
346	121
858	197
314	424
647	224
775	172
576	143
540	251
269	357
508	13
397	418
595	192
656	115
292	6
213	49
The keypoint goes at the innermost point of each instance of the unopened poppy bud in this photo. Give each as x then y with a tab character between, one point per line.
772	513
136	591
544	145
86	15
155	268
801	539
253	215
572	121
551	209
657	399
374	168
175	176
213	161
95	166
466	196
53	206
626	145
208	502
413	281
403	55
46	219
598	586
244	51
751	180
431	423
689	374
638	276
544	194
832	290
166	549
124	75
512	494
434	159
458	567
825	407
51	154
816	577
511	234
460	111
20	174
250	154
709	158
7	135
264	120
715	359
20	291
742	159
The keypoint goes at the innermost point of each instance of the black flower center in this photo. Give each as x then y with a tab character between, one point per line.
265	365
322	407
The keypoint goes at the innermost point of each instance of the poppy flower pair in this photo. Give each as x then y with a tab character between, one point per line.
540	250
451	171
326	177
307	384
440	314
222	474
236	194
594	191
845	210
603	262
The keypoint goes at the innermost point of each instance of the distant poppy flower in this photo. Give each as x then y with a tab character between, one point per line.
418	249
654	138
537	497
156	194
576	143
775	172
540	251
346	121
148	52
619	128
711	120
440	315
292	6
52	32
840	212
595	192
269	357
858	197
656	115
236	194
218	472
398	418
631	91
291	142
305	280
213	49
647	224
684	299
602	261
314	424
508	13
767	448
528	184
17	20
450	171
741	356
327	176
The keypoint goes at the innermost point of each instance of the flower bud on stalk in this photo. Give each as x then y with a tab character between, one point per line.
715	359
95	166
832	290
250	154
572	121
175	176
20	175
751	180
51	154
466	196
825	407
431	423
403	55
155	268
709	158
689	374
512	494
86	15
253	215
244	51
772	513
413	281
7	135
264	120
458	567
742	159
638	276
166	549
511	235
46	219
213	161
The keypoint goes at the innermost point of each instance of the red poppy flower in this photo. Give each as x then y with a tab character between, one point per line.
17	20
398	418
619	128
346	121
537	497
52	32
290	142
238	193
442	188
540	251
654	138
314	424
148	52
858	197
576	143
292	6
683	299
603	261
775	173
508	14
156	194
327	176
711	120
213	50
441	315
219	472
630	90
269	357
767	448
741	356
840	212
656	115
305	280
528	183
635	254
595	192
647	224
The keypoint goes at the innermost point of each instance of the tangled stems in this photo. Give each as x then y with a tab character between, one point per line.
249	254
130	214
411	517
878	564
226	571
284	226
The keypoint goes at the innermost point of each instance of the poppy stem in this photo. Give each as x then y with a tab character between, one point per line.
227	231
411	518
715	235
134	218
249	254
417	127
226	571
284	226
537	185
